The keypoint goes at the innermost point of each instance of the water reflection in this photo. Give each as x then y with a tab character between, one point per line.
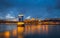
32	29
20	32
7	30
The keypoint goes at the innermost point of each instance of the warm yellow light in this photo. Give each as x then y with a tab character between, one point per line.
7	34
14	32
33	19
20	23
20	29
39	20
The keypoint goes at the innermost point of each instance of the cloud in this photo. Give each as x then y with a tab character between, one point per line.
1	17
28	17
9	16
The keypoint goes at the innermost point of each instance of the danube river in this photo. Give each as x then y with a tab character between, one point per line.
29	31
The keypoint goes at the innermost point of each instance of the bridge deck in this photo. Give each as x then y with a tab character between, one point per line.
48	22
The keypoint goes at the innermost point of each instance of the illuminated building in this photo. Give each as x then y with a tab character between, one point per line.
32	18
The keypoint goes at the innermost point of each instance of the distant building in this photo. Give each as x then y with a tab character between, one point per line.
53	19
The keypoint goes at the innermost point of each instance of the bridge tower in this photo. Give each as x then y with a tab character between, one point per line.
20	26
21	17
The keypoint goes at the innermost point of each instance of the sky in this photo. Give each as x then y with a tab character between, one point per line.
30	8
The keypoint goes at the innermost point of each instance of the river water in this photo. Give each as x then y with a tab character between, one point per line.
29	31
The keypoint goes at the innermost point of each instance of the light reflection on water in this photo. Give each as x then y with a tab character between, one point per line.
20	32
33	29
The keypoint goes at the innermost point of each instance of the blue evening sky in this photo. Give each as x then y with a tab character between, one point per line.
30	8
